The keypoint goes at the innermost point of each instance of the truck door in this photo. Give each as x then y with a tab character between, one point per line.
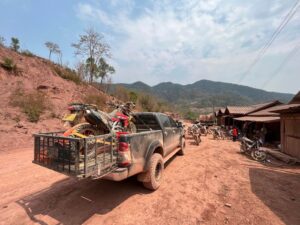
167	133
176	133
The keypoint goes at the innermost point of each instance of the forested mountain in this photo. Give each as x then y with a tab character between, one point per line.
206	93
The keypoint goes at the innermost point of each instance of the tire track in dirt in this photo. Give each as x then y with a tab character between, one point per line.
195	189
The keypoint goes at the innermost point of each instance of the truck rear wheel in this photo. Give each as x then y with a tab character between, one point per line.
155	172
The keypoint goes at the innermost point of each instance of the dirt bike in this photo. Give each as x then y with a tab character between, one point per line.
99	122
196	134
252	148
76	113
218	134
203	130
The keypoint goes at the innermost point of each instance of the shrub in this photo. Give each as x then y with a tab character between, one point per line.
9	65
33	104
67	74
27	53
96	99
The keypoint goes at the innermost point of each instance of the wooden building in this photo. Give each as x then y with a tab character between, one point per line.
219	119
290	126
233	112
263	118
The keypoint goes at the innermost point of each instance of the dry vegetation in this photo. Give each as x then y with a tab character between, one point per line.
96	99
66	73
33	104
9	65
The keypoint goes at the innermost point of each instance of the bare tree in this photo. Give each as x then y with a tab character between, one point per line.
53	48
2	41
80	69
92	47
59	56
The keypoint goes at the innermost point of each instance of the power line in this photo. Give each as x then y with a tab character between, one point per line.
283	63
275	34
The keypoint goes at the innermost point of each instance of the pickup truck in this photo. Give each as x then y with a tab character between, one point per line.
115	157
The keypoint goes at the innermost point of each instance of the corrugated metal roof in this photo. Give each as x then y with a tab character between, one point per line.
296	99
243	110
288	107
265	112
239	110
265	105
263	119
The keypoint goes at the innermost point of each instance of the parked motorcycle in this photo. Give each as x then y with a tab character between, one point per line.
99	122
252	148
218	133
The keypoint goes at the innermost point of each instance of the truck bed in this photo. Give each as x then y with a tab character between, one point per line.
78	157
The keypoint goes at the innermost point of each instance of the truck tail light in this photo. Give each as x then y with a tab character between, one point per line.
71	108
124	155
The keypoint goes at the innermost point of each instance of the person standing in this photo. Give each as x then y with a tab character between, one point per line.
234	133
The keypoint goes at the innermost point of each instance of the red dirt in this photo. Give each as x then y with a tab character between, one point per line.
211	184
36	75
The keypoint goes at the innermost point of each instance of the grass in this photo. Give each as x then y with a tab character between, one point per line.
33	104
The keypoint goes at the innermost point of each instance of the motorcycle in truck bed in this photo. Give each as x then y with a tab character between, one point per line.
93	156
115	156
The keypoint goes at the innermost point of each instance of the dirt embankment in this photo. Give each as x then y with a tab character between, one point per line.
36	75
211	184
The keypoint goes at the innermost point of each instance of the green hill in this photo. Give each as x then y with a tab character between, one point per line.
205	93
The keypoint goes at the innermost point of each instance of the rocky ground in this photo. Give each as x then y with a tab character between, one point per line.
212	184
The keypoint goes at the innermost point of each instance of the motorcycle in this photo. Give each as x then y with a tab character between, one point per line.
218	134
99	122
252	148
196	133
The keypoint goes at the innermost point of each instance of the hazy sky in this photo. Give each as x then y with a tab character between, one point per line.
167	40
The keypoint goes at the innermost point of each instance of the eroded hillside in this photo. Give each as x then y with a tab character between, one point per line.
40	81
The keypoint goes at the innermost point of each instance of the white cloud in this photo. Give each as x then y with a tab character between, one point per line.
184	41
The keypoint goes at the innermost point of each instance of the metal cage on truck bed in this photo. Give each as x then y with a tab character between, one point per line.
94	156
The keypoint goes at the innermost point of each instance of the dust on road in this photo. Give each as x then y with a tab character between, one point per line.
211	184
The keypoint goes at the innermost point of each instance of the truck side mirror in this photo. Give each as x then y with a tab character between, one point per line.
179	124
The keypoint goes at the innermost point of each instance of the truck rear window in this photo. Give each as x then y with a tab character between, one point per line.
146	122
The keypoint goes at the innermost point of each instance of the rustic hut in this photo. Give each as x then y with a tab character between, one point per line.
290	126
207	119
233	112
263	118
218	115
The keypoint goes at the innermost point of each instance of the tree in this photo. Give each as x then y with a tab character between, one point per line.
104	69
133	96
91	68
2	41
53	48
15	44
80	69
92	47
60	55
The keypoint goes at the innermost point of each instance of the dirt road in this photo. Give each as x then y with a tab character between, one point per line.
211	184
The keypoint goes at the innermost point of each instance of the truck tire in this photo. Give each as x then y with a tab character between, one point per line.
155	172
182	147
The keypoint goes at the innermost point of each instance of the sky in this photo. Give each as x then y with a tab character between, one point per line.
179	41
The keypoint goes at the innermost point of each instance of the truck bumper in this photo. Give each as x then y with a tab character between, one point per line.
118	175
